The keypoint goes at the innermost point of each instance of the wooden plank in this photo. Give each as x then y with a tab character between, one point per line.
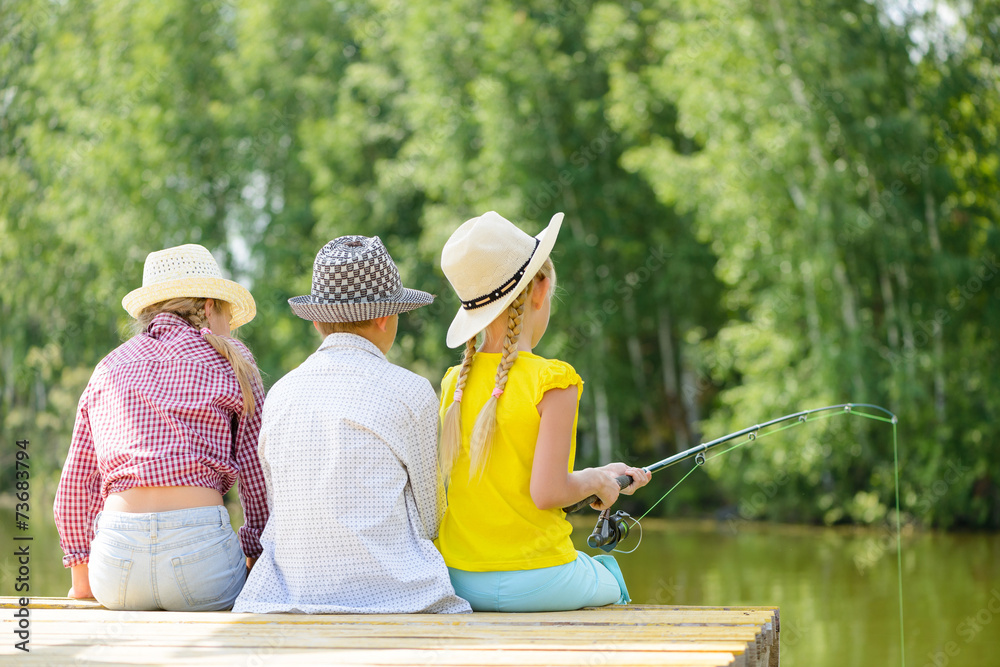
617	615
743	634
739	636
427	624
566	619
157	636
106	655
66	603
80	635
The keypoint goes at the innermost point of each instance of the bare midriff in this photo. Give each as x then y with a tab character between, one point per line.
144	499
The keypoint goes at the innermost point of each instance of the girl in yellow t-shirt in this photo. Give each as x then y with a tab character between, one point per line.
509	435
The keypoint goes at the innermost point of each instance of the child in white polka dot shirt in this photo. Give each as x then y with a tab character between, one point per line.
348	446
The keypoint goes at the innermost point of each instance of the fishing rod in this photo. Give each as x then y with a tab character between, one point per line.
611	528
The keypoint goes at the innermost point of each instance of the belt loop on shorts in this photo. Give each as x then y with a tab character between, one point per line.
152	526
222	516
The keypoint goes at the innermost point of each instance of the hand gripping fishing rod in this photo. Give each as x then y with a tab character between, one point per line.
611	528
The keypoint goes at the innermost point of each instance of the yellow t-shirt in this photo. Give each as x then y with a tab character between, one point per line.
492	524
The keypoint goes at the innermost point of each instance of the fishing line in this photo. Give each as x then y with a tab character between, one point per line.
696	466
754	434
635	522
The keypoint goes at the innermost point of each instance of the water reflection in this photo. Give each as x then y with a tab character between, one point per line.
837	589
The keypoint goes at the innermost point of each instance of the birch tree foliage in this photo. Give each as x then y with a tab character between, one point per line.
820	176
769	206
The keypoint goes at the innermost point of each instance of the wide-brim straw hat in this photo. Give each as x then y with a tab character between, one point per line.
188	270
488	261
355	279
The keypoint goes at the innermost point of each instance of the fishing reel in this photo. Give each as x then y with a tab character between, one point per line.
609	531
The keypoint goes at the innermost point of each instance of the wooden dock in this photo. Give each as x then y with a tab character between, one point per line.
64	632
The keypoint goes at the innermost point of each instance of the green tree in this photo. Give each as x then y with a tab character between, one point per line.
769	206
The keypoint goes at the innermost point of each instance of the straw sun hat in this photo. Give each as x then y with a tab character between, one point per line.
488	261
188	271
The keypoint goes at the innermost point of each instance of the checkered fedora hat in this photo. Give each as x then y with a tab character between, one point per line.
355	279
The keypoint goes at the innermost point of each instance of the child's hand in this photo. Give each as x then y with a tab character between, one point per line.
80	589
74	594
640	477
606	489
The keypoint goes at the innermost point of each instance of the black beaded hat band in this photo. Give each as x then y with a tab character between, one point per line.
489	258
504	289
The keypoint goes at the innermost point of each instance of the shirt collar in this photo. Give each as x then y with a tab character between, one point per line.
166	322
349	340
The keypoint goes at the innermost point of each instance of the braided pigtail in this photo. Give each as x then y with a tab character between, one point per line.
193	310
486	423
451	429
246	371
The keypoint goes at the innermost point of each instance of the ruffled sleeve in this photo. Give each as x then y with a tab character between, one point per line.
557	375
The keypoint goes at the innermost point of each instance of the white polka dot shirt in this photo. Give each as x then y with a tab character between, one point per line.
348	447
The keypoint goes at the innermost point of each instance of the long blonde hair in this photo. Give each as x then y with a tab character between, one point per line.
192	309
481	443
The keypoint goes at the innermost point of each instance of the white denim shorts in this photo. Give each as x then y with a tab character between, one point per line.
183	560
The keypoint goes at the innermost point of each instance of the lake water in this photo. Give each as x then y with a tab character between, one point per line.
837	589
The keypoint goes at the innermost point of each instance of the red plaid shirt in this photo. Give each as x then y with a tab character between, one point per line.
161	410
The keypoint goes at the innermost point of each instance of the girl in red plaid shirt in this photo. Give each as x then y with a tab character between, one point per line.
167	424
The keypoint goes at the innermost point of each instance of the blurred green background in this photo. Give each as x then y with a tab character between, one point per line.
770	206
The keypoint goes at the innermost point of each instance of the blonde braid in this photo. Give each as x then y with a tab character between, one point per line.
451	429
193	310
486	423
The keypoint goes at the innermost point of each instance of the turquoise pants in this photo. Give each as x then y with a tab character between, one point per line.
585	582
